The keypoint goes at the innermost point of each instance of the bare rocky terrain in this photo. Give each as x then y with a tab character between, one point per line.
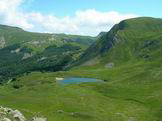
8	114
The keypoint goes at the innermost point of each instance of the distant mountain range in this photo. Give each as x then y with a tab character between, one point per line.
23	51
128	59
129	41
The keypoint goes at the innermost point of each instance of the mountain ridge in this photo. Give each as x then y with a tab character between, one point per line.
22	51
127	59
129	32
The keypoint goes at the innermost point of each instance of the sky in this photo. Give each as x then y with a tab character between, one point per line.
82	17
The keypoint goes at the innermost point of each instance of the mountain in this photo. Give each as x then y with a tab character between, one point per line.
127	58
14	35
22	51
130	40
101	34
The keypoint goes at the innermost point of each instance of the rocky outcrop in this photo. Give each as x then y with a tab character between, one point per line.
16	51
5	119
37	43
42	58
109	65
26	56
2	42
8	114
18	115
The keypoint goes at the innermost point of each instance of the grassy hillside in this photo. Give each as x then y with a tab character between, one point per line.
128	59
14	35
131	92
130	40
23	51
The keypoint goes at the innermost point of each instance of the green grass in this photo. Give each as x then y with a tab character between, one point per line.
15	35
131	40
51	47
132	92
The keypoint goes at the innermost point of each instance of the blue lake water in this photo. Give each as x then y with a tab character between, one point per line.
75	80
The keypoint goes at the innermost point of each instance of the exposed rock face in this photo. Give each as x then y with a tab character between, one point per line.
5	119
8	114
109	65
37	43
2	42
26	56
16	51
18	115
41	59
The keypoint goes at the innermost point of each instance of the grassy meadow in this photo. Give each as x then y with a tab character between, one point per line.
130	92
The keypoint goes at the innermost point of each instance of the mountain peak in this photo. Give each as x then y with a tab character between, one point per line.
129	35
141	23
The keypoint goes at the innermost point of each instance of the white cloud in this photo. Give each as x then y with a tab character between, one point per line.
11	14
87	22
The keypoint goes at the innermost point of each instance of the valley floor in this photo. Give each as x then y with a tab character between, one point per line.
132	92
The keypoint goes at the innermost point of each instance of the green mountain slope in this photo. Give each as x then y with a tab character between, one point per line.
130	40
14	35
128	59
23	51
